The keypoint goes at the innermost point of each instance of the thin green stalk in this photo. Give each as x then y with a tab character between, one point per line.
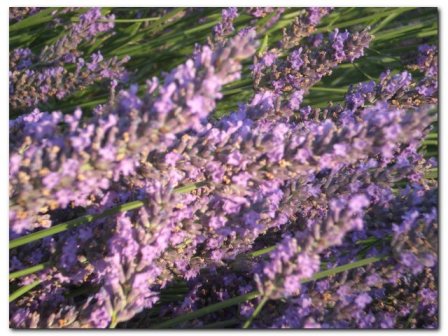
43	266
262	251
29	270
23	290
292	15
123	20
432	174
256	312
72	224
89	218
343	268
327	89
207	310
252	295
160	41
151	30
114	321
189	187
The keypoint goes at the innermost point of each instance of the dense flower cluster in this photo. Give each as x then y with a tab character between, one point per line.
225	27
261	202
290	78
17	14
34	79
304	25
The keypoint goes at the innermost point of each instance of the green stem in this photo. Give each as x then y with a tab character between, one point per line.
190	187
182	289
252	295
90	218
23	290
371	240
29	270
72	224
123	20
114	321
207	310
262	251
327	89
343	268
256	312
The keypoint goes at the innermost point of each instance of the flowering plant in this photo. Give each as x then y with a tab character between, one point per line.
163	203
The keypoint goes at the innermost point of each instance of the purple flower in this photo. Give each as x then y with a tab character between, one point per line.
358	203
338	39
296	100
225	27
295	59
100	317
235	158
362	300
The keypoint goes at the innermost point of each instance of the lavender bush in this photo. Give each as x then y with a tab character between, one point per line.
144	194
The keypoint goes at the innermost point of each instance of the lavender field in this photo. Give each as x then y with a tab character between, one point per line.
223	168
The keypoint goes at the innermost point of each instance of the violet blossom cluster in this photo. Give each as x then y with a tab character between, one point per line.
60	69
260	12
290	78
398	292
225	27
108	148
303	26
400	89
314	190
17	14
190	92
